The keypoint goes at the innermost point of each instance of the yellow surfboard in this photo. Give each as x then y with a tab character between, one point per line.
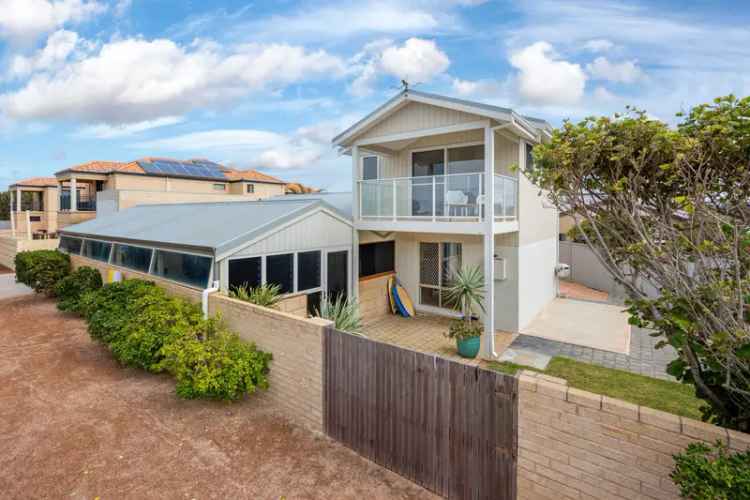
391	302
403	301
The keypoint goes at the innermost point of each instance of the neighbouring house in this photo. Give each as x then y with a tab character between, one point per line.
76	194
435	189
304	245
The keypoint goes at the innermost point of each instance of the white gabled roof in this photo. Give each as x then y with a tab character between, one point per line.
533	126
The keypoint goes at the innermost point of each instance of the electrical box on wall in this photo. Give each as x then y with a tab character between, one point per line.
500	268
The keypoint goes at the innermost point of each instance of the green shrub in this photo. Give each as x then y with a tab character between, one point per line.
42	269
460	329
704	472
156	320
70	289
221	367
343	311
106	309
266	295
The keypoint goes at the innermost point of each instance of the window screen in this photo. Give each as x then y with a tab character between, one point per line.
308	270
244	272
280	271
70	245
189	269
97	250
137	258
376	258
370	167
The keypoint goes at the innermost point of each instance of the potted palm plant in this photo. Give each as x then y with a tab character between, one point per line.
466	292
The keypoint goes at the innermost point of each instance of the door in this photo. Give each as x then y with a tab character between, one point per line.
337	274
428	167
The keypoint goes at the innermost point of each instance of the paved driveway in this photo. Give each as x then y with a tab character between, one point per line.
74	424
587	324
9	288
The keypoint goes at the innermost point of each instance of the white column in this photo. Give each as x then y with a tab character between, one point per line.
28	225
73	195
12	215
355	220
18	200
489	243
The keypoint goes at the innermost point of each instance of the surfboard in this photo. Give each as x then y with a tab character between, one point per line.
403	301
391	302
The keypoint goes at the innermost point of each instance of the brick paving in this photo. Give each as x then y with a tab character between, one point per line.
643	358
424	333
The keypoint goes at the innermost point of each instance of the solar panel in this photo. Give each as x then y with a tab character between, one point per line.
194	168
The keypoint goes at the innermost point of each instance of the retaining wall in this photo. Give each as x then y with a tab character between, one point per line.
10	246
574	444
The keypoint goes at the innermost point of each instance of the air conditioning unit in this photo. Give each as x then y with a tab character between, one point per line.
500	268
562	270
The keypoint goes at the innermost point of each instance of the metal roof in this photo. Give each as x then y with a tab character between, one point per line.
214	227
478	107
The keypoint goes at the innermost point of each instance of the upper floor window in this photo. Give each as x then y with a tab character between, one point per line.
370	167
219	187
250	188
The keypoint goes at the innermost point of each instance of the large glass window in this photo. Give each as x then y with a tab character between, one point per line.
370	167
245	272
466	159
192	270
97	250
70	245
438	264
427	164
136	258
376	258
280	271
308	270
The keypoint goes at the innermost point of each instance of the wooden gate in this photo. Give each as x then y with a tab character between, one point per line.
448	426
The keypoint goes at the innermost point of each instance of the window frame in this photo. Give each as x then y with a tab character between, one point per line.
217	186
446	168
150	261
378	173
152	267
441	286
80	249
108	242
249	188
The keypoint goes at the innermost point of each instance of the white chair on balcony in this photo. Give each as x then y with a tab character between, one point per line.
458	203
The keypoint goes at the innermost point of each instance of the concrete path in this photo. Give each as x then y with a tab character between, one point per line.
9	288
584	323
643	358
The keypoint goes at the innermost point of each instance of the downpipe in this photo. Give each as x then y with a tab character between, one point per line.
204	298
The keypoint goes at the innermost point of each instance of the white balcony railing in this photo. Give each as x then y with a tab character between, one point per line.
453	197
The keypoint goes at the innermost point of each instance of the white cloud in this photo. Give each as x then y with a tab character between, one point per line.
135	80
625	72
215	141
122	6
104	131
478	88
598	45
60	45
544	79
25	20
416	61
603	95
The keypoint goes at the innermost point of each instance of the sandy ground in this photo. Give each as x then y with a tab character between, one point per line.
74	424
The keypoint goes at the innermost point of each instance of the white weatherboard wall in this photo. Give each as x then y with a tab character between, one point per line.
318	230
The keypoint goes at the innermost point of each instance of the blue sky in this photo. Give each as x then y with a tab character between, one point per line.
267	84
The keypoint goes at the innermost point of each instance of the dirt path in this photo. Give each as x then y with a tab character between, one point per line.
74	424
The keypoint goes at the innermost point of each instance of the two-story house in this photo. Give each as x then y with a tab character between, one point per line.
76	194
435	189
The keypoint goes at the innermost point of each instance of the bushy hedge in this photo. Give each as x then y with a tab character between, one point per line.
221	367
42	269
146	328
71	288
704	472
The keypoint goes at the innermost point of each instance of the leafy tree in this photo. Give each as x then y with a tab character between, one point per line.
670	207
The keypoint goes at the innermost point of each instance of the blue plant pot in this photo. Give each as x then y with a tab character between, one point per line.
468	348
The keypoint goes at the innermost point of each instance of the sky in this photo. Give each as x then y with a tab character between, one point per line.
266	85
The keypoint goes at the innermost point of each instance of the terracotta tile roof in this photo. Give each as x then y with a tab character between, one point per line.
251	175
105	167
37	182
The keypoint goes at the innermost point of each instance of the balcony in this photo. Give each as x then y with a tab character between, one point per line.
83	203
454	199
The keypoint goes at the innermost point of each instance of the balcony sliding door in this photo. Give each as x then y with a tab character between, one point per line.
425	165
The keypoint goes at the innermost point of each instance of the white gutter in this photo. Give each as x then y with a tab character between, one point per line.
204	298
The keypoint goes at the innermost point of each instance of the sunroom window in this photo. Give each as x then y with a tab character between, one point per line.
185	268
70	245
97	250
132	257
